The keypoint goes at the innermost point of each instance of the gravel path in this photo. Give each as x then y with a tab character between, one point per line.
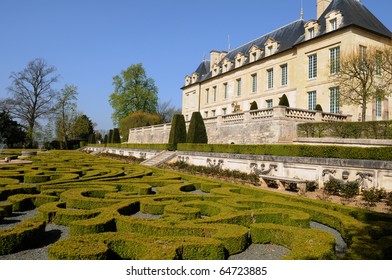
340	244
262	252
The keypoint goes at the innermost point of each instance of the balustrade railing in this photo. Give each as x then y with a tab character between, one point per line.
262	114
300	114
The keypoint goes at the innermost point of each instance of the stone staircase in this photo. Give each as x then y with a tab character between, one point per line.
160	158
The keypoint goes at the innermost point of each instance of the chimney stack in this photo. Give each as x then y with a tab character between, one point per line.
322	5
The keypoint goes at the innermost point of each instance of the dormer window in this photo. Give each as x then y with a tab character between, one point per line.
333	20
188	80
195	77
311	29
254	53
239	60
271	46
216	70
227	64
311	33
334	24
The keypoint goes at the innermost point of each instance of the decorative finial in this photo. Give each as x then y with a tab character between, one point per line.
302	9
228	42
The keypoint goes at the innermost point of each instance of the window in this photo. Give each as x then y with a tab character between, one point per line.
206	114
254	82
213	113
224	111
312	66
378	109
284	74
334	100
225	90
186	117
214	92
334	57
270	78
312	100
362	53
270	50
207	95
254	56
333	23
379	63
311	33
239	87
269	103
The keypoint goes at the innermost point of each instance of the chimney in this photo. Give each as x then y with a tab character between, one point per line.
214	58
322	5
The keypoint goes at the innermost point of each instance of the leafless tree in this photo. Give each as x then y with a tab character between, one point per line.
32	94
361	79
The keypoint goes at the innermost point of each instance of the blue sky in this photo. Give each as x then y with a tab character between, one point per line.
90	41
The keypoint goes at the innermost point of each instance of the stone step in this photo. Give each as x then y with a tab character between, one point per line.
159	158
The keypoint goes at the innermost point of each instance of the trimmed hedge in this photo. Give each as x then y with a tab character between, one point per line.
373	153
134	146
136	247
305	244
367	130
22	236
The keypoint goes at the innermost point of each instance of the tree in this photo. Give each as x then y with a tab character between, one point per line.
133	91
116	136
284	101
32	94
177	131
81	128
66	113
166	111
197	131
253	106
360	79
138	119
11	133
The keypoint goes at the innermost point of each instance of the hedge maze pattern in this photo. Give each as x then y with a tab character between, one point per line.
120	211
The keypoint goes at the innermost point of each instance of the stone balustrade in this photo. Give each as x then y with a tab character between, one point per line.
261	126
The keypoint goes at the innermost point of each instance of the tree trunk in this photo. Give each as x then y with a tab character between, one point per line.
363	110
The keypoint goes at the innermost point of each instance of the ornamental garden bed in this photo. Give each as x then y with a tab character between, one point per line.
101	200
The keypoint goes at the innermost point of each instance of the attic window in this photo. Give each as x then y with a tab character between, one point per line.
271	46
311	33
311	28
333	24
333	20
254	53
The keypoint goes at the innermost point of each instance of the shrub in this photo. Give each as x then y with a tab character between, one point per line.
373	195
311	186
197	131
253	106
333	186
283	101
319	108
116	136
349	189
177	131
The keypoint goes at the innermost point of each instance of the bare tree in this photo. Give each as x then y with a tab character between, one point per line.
32	94
66	112
361	79
167	111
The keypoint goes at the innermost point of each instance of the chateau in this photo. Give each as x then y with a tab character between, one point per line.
298	59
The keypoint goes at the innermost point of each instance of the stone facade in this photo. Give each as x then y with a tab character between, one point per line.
299	60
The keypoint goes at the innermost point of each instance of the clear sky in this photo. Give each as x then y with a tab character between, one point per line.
90	41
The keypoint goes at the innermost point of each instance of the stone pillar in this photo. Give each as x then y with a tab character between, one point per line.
279	112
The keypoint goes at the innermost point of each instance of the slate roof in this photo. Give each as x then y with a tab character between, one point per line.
354	13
